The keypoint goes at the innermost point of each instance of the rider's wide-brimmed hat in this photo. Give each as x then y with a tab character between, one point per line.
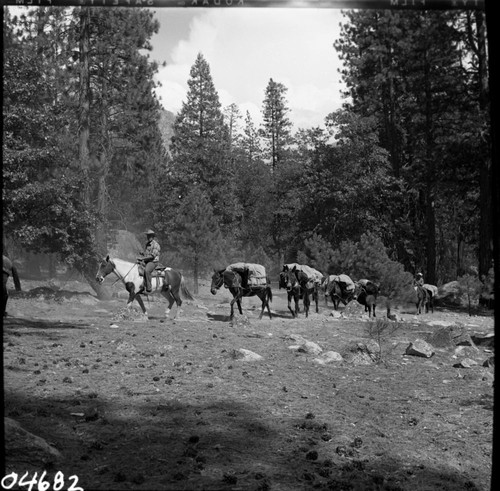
150	232
420	274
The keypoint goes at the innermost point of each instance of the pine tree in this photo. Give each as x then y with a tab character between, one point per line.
195	233
406	69
276	125
83	90
42	208
200	153
252	180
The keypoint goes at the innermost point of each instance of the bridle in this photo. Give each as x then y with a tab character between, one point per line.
119	277
291	281
217	282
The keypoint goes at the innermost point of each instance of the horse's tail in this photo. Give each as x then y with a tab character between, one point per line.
17	281
185	290
270	293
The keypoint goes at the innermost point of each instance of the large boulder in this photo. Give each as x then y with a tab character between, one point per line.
362	353
328	357
420	348
450	294
449	337
307	347
484	340
245	355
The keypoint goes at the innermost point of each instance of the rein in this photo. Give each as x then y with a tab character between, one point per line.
122	278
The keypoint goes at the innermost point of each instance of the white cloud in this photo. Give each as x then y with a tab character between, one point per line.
248	47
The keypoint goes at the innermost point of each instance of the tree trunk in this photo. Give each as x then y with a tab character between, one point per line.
103	171
196	275
460	254
84	104
430	214
89	273
485	172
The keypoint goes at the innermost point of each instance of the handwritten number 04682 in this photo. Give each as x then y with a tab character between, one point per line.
42	484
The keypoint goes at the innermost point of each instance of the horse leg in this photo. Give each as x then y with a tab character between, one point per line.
238	303
290	305
336	301
263	298
132	295
307	303
167	294
268	297
174	296
315	295
178	302
236	299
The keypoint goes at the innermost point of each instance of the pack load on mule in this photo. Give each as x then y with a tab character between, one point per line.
368	285
433	289
244	280
340	288
313	275
431	294
309	280
346	284
253	275
366	293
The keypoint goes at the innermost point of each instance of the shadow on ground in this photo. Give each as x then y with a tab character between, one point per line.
217	445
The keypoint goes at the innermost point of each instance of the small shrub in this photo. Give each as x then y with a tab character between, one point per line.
470	286
381	331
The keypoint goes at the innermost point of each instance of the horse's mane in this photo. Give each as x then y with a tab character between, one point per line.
119	261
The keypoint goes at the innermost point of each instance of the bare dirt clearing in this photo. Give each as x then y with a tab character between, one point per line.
171	404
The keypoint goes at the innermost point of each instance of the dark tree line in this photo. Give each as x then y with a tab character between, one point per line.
404	164
81	139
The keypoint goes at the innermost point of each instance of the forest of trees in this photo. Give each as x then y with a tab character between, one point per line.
400	174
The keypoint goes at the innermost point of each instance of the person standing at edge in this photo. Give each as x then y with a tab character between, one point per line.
150	258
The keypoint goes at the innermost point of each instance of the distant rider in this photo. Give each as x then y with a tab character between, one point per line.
419	279
150	257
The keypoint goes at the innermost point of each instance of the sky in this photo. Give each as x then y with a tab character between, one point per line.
245	48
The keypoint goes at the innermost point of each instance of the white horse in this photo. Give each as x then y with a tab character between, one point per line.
169	282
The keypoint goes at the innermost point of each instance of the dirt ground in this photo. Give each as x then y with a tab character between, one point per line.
169	404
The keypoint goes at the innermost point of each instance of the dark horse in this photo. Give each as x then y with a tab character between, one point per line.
333	290
234	282
169	282
431	294
308	287
422	299
9	270
292	291
366	292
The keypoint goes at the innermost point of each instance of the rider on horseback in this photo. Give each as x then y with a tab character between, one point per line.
150	257
419	279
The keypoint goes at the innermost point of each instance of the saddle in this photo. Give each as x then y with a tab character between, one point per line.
159	269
